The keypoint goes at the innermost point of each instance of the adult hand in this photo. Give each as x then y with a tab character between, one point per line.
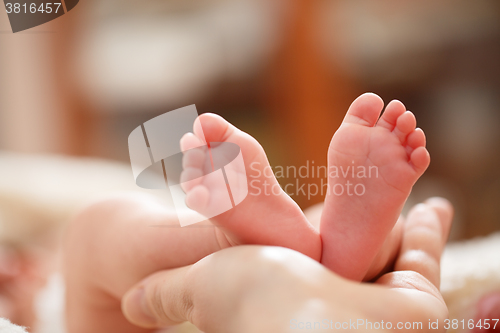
271	289
116	242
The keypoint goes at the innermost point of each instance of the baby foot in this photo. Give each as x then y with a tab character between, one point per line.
372	168
266	216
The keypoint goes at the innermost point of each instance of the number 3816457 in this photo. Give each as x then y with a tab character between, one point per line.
27	8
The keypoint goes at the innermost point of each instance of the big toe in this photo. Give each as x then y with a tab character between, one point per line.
365	110
213	128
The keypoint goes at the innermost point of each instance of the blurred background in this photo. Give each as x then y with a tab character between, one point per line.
72	90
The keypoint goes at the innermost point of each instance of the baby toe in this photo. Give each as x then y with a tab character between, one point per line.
190	141
391	114
416	138
197	199
420	159
194	158
405	124
190	177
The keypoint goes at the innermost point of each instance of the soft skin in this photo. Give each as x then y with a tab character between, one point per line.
389	145
113	244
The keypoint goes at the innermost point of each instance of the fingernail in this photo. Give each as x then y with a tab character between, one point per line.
438	201
136	309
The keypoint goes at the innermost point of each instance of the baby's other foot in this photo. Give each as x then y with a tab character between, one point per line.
266	216
372	168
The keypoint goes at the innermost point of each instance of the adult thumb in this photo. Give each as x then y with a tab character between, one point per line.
162	299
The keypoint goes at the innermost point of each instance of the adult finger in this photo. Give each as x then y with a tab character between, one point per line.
417	268
426	231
